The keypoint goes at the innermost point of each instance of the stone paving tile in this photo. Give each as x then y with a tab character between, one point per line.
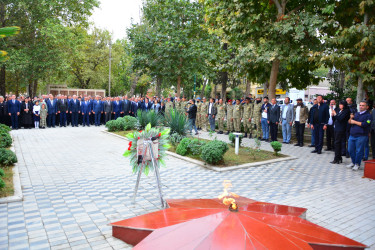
75	182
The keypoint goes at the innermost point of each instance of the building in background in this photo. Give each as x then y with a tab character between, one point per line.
64	90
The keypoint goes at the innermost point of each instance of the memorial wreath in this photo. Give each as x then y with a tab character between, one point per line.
135	145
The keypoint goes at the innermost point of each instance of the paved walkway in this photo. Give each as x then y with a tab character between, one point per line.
76	181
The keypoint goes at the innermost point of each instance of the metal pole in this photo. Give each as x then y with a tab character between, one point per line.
140	172
109	68
157	175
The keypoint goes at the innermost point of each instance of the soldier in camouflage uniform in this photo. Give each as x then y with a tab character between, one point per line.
168	107
247	113
221	108
255	119
237	115
198	119
203	113
230	107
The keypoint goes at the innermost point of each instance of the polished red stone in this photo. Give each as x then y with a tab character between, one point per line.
207	223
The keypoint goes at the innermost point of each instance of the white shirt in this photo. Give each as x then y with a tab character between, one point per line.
264	113
285	109
330	120
298	110
36	108
209	108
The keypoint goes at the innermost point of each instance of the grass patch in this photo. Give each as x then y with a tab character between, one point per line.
123	133
8	190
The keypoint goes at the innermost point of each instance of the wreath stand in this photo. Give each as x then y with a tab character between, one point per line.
146	152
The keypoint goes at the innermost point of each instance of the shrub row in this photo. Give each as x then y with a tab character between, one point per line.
122	124
7	157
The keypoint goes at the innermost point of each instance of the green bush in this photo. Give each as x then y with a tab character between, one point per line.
213	151
4	127
182	148
130	122
7	157
195	147
116	125
2	173
175	139
2	183
276	147
5	139
232	138
146	117
177	121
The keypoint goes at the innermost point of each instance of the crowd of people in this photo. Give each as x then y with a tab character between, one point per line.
348	130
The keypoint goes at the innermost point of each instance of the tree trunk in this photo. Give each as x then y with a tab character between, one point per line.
224	81
360	92
158	86
2	80
203	87
273	79
247	82
178	86
34	88
265	89
342	80
215	91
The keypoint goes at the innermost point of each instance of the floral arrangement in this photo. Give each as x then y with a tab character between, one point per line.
148	132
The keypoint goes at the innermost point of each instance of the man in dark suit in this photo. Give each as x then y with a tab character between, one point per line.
146	105
126	106
14	110
117	107
52	111
320	116
330	134
86	111
97	110
108	109
74	109
3	110
273	117
62	109
134	107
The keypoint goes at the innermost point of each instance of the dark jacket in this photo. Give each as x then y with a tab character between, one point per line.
97	106
323	115
273	114
15	107
86	107
213	109
364	129
117	106
62	105
341	120
107	107
373	120
268	105
3	108
192	111
74	107
52	106
126	106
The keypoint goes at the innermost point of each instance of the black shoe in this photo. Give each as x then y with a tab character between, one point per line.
227	133
267	140
334	162
250	136
319	152
301	145
297	144
314	151
311	146
328	149
263	139
245	135
347	156
196	133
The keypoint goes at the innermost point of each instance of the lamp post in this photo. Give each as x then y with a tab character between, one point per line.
109	68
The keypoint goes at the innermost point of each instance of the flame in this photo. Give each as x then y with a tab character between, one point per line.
226	195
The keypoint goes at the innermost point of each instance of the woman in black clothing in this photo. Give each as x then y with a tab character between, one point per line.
341	118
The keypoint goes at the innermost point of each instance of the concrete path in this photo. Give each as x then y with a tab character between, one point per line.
76	181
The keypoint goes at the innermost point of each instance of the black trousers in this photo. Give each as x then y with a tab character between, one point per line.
373	143
300	131
74	116
330	137
273	131
340	136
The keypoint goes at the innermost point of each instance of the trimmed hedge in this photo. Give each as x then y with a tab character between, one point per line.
213	151
122	124
5	139
7	157
5	128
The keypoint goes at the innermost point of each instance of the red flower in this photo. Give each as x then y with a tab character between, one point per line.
138	138
140	131
130	145
159	134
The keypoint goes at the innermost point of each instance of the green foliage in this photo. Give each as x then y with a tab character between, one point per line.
4	128
195	146
2	173
5	139
148	117
177	121
276	147
182	148
2	183
232	138
130	122
7	157
175	139
115	125
213	151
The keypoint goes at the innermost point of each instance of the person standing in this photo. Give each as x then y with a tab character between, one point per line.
330	135
353	109
273	117
204	109
52	111
359	131
301	113
74	109
247	112
256	118
309	123
265	127
192	115
86	111
126	106
14	110
36	112
221	108
373	132
211	114
27	113
108	109
43	115
3	110
320	116
340	117
237	116
287	117
230	108
117	108
63	109
198	119
168	107
97	110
